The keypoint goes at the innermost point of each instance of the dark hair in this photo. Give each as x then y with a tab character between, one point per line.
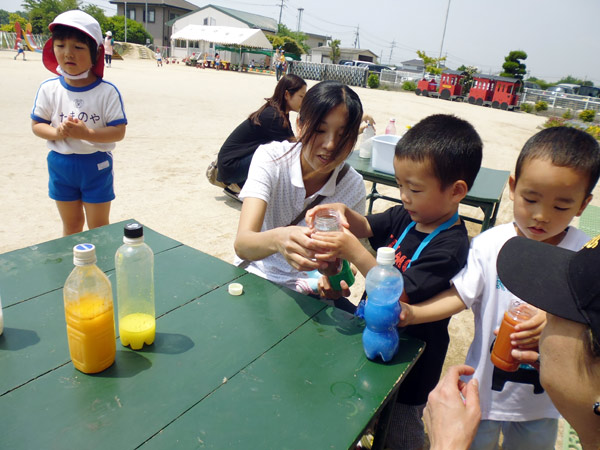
288	83
62	32
318	102
564	147
450	144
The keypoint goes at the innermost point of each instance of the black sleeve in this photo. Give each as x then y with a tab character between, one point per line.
272	126
387	225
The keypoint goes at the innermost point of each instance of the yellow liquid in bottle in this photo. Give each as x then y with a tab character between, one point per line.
91	333
137	329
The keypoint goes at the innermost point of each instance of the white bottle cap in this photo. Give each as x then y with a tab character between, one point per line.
84	254
235	289
386	255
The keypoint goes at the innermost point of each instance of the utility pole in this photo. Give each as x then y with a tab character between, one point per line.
357	38
444	33
300	10
280	11
391	50
125	21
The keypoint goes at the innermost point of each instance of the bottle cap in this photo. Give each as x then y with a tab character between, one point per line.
84	254
235	289
386	255
134	230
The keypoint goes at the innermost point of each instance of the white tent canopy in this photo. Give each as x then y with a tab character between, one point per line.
247	37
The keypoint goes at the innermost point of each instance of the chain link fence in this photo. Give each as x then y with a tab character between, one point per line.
352	76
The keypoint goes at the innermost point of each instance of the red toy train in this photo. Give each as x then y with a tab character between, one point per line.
486	90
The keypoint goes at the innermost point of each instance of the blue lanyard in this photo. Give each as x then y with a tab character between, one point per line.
447	224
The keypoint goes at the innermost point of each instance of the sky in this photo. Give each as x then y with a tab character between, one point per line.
557	35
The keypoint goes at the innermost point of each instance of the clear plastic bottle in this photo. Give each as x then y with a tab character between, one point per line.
134	263
89	313
366	144
329	220
518	312
391	127
384	285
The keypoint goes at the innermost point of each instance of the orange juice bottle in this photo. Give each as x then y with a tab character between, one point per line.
519	311
134	267
89	313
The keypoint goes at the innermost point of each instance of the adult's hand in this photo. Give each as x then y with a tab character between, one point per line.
453	413
295	246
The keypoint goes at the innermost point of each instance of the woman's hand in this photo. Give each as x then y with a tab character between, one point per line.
340	208
294	243
453	412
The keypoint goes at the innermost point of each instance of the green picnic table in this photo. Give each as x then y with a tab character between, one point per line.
485	194
271	368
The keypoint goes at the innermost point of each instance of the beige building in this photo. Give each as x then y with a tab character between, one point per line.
323	54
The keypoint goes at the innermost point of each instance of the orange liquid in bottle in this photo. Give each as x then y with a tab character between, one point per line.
91	333
501	356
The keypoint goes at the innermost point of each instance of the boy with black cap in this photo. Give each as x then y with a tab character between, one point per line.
81	116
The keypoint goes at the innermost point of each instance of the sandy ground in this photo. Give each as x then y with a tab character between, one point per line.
178	118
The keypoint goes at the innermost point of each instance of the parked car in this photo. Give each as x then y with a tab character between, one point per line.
560	91
531	85
589	91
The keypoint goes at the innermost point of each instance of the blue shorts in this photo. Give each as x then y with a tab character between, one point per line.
81	177
529	435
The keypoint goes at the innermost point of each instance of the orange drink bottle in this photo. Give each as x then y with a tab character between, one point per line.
501	357
134	267
89	313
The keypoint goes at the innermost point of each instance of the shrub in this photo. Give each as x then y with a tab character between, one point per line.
555	122
568	114
373	81
587	115
527	107
541	106
594	130
409	86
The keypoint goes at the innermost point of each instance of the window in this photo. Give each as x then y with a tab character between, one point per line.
131	13
150	15
209	21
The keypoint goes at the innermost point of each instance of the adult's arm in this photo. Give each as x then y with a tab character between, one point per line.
252	244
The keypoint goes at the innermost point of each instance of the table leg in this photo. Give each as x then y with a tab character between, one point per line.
489	216
372	196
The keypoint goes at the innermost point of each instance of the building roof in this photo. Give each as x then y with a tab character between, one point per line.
247	37
496	78
414	62
250	19
182	4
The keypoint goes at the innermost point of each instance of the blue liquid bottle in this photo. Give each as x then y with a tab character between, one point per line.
384	285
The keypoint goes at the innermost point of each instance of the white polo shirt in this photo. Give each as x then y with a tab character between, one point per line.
275	176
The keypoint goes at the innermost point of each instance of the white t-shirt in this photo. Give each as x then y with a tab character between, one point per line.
275	176
481	290
99	105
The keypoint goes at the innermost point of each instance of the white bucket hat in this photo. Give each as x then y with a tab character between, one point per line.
109	33
83	22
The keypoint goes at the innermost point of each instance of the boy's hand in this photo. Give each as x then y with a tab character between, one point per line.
326	291
74	128
339	207
527	333
335	244
406	315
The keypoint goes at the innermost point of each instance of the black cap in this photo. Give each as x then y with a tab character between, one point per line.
134	230
562	282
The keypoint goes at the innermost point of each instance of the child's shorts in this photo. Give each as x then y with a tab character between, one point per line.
81	177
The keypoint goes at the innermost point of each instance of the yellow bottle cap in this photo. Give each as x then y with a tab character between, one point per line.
235	289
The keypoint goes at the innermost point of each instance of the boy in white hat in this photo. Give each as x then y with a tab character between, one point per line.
108	48
81	116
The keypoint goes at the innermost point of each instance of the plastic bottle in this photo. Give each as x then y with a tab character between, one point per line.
134	263
519	311
391	127
366	144
384	285
329	220
89	313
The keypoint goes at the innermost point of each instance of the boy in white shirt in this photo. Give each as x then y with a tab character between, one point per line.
555	174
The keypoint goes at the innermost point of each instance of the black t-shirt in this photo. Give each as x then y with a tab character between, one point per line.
247	137
429	275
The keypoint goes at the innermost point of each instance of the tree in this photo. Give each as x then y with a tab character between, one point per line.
468	72
4	19
543	83
432	65
42	12
335	51
513	67
297	36
135	30
12	18
572	80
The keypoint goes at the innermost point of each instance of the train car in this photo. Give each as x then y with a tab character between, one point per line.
450	86
426	87
495	91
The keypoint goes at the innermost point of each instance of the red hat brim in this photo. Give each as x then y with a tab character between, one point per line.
50	62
